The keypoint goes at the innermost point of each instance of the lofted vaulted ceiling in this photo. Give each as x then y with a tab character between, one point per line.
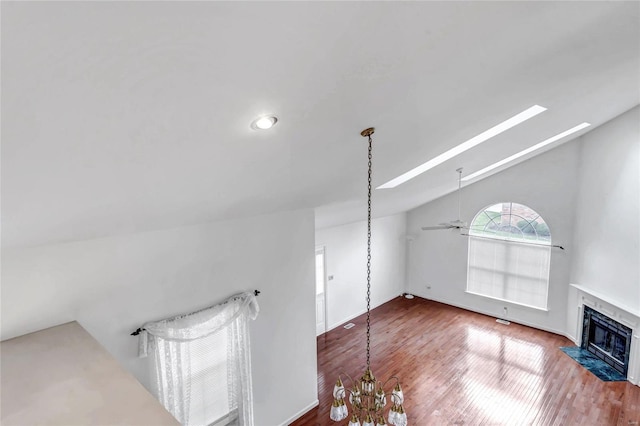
120	117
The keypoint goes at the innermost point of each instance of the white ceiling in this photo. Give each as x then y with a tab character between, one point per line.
124	117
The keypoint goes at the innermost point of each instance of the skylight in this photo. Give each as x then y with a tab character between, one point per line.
527	151
457	150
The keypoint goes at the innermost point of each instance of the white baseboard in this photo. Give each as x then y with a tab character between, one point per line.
364	311
349	318
493	315
572	338
301	413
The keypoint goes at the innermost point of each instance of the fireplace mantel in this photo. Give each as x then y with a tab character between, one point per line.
618	304
616	310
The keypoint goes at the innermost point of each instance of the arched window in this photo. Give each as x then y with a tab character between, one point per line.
509	255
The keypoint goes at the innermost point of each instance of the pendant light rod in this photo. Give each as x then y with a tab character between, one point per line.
459	188
367	396
367	133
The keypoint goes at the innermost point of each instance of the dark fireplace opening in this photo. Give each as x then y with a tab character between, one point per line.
607	339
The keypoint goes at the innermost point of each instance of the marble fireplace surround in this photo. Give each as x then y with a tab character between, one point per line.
617	311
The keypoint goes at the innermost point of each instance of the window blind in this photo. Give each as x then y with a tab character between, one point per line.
508	270
209	400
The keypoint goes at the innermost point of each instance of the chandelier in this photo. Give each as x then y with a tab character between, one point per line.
367	397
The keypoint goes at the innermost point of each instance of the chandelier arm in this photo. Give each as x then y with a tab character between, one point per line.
353	382
347	393
391	398
397	379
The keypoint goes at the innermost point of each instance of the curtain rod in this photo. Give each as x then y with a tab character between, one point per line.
512	241
135	333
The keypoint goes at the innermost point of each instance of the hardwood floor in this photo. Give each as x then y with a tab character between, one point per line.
463	368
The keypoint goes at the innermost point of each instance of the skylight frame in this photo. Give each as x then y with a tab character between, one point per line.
527	151
465	146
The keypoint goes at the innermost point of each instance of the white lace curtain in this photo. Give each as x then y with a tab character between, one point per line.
168	340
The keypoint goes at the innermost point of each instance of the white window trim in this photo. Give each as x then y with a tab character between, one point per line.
537	308
227	419
502	270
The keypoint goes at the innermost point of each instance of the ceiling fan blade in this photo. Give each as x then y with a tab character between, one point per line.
435	228
458	224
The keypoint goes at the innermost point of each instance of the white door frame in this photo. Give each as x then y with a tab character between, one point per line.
321	250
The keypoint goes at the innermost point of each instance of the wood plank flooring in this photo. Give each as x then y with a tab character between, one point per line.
462	368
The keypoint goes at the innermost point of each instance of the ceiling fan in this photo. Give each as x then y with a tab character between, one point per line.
454	224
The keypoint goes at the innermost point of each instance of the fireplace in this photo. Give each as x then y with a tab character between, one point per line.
607	339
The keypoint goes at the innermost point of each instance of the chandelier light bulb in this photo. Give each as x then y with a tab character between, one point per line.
338	390
338	410
354	421
354	396
401	417
397	396
381	422
368	421
393	414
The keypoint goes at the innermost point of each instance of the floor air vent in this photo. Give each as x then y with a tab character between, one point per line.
503	321
350	325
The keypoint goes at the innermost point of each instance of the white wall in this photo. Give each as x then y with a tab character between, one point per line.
607	234
113	285
346	260
438	259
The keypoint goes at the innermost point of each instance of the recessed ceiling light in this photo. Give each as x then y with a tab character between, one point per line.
527	151
264	123
476	140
